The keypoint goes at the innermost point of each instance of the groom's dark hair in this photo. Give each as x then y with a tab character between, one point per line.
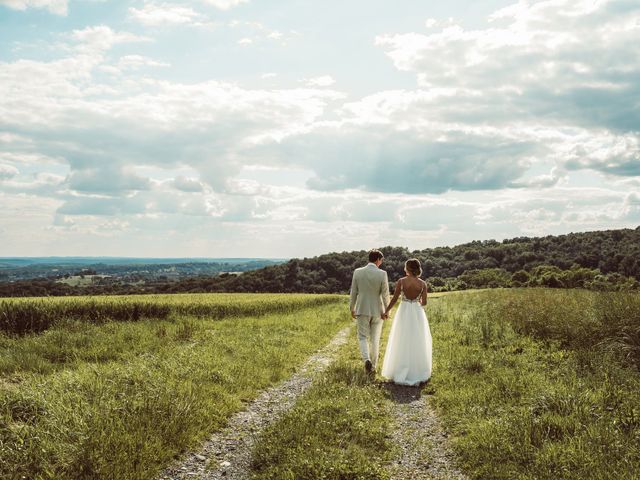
375	255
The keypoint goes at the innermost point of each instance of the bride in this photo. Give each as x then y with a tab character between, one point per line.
407	360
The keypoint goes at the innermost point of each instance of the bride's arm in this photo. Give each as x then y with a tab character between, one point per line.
424	294
394	299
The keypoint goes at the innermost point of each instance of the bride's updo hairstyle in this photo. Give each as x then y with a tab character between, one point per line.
413	267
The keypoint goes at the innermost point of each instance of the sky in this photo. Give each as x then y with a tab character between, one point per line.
254	128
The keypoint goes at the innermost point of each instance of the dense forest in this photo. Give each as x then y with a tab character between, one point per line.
606	260
602	259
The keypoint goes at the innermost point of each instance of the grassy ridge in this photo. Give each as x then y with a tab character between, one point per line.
119	400
30	315
539	384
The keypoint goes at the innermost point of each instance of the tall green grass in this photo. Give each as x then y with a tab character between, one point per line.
32	315
120	400
576	319
539	384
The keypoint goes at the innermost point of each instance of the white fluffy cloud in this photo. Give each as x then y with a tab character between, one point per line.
58	7
254	33
187	184
384	159
102	128
225	4
138	61
562	65
322	81
156	14
7	172
100	38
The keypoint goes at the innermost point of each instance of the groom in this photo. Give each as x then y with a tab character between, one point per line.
369	299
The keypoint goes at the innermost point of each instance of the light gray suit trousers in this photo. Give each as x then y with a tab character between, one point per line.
369	299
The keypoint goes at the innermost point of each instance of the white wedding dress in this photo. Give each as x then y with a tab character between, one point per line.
407	360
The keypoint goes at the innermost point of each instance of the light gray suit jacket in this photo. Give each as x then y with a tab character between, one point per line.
369	291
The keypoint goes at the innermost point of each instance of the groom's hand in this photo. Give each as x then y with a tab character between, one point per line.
353	314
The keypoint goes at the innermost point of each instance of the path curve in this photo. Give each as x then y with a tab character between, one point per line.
422	443
227	454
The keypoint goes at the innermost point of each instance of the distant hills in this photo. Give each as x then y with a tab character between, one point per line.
57	275
12	262
608	259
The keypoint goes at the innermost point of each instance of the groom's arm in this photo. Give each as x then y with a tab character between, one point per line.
385	290
354	296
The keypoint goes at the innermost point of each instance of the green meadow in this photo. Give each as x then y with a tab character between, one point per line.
530	383
540	384
95	398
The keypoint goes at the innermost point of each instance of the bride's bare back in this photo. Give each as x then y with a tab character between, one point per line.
412	287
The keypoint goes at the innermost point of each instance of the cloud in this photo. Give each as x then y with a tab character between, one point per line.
255	32
631	208
538	58
89	123
225	4
111	206
41	184
57	7
186	184
100	38
27	157
162	202
323	81
608	153
384	159
434	216
108	178
543	181
153	14
139	61
7	172
559	210
564	65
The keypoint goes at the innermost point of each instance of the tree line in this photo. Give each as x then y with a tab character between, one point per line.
601	259
605	260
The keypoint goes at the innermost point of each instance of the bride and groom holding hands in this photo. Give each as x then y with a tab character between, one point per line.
407	360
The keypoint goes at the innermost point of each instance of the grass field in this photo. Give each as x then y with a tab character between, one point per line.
540	384
120	399
532	384
31	315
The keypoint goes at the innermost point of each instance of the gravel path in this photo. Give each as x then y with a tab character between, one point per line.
422	443
227	454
